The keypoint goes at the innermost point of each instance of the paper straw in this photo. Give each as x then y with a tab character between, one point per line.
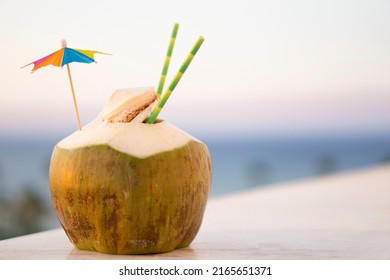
175	80
167	60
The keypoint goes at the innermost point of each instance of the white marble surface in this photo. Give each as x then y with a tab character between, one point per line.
344	216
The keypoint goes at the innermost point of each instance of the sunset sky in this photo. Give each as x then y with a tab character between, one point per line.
266	68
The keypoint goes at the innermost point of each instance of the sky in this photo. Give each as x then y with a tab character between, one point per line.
267	68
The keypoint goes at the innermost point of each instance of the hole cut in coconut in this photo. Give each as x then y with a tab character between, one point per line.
155	122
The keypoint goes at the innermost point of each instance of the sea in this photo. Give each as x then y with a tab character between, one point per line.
236	165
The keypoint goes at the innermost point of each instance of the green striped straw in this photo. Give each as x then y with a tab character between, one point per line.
175	80
167	60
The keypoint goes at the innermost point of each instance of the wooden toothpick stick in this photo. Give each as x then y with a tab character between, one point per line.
74	98
64	45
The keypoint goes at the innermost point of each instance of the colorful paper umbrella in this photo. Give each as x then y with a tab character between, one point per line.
62	57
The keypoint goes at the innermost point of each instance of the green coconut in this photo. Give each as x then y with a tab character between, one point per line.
121	186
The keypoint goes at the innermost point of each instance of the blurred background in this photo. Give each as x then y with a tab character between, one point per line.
280	90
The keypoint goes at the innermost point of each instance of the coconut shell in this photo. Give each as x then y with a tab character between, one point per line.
114	202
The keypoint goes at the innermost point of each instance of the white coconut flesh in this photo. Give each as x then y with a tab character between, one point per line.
134	137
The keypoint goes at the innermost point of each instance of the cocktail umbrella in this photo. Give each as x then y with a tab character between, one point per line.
62	57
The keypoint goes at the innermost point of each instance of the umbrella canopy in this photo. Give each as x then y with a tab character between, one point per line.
65	56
